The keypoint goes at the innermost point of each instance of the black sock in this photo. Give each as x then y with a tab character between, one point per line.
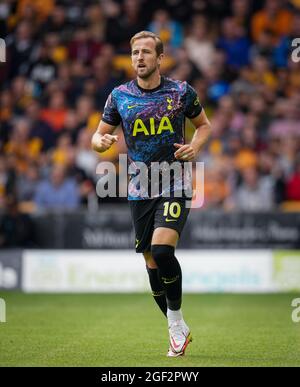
158	291
170	274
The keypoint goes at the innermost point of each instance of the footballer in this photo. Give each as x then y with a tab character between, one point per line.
152	110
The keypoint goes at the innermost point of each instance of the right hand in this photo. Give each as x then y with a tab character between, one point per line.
102	143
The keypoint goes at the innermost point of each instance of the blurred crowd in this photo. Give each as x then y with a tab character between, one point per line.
65	57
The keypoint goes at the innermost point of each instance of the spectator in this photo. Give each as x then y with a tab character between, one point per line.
199	44
124	20
286	122
72	124
20	145
63	149
58	193
43	8
264	46
16	229
216	76
97	23
185	69
43	69
5	10
234	43
273	17
105	79
55	114
240	10
57	48
82	48
263	76
6	107
167	29
216	188
21	94
39	128
21	49
84	108
254	194
27	183
293	184
57	23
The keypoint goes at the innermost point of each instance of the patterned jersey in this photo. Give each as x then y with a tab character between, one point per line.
152	121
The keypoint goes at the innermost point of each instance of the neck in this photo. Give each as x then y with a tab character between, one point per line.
150	83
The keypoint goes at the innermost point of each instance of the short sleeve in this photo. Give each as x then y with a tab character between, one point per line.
111	115
192	104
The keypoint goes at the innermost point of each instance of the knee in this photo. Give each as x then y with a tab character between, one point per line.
163	253
150	262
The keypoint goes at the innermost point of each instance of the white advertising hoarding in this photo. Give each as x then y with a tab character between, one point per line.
227	271
124	271
83	271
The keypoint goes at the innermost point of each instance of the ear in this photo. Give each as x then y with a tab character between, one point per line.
160	58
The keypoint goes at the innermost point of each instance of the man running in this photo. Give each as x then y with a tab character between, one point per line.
152	111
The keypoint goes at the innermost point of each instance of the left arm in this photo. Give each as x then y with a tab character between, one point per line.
189	152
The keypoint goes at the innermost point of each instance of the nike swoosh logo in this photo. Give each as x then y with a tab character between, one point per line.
170	282
175	346
171	220
131	106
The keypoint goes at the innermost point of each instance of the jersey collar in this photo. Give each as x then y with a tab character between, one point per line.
162	80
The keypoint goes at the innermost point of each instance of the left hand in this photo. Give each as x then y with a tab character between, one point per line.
185	152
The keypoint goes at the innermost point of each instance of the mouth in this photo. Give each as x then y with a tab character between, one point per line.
141	66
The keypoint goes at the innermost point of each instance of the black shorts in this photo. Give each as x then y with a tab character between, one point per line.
147	215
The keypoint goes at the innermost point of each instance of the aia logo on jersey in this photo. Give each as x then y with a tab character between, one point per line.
150	127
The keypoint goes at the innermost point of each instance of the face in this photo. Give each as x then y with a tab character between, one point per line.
144	57
250	177
57	175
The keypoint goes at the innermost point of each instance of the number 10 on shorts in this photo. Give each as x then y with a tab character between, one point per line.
172	209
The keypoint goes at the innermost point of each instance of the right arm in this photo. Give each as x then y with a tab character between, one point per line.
103	139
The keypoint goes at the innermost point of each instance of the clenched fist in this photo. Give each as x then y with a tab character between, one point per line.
101	143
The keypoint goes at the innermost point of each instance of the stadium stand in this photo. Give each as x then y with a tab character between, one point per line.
64	58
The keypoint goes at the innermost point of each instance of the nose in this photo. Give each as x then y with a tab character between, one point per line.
140	56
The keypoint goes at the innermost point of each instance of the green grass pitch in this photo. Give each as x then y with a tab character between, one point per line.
128	330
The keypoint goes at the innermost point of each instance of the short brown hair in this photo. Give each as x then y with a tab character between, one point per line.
159	47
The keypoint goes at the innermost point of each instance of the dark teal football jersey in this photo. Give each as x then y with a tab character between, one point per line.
152	121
